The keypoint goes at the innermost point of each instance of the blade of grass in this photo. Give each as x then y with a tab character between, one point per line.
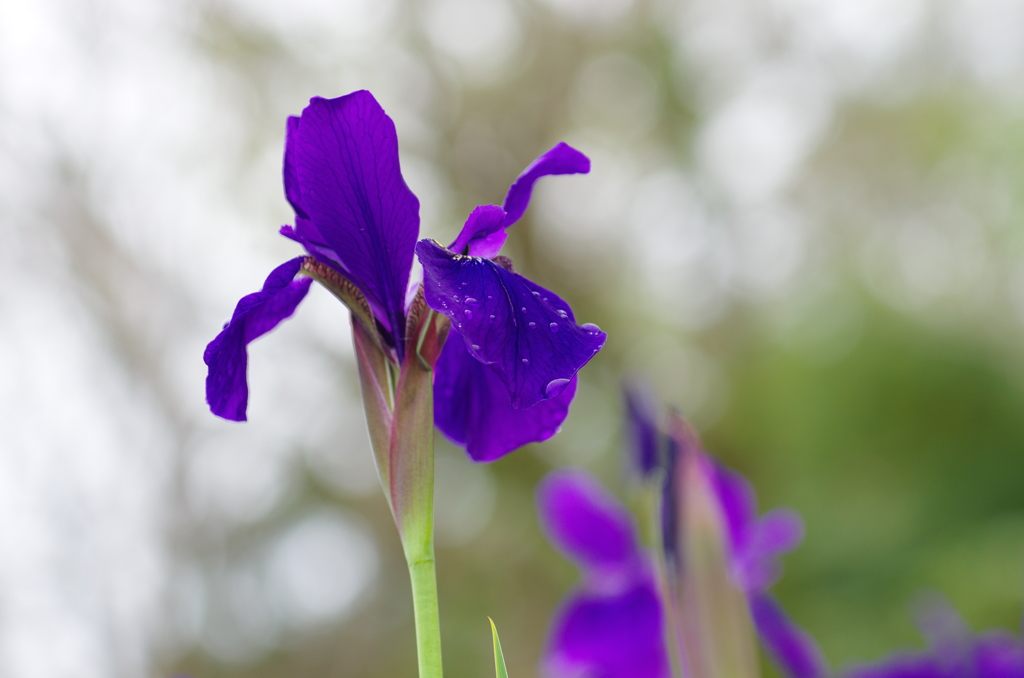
499	658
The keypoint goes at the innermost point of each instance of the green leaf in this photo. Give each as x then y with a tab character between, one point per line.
499	658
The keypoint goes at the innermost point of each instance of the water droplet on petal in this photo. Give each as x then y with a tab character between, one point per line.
536	294
470	301
489	296
532	325
455	298
464	284
475	347
524	309
469	314
562	314
555	386
491	319
526	361
553	327
590	328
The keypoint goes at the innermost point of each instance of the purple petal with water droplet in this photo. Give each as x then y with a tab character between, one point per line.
342	171
256	314
526	359
472	408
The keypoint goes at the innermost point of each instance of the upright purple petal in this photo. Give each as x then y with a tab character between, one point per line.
643	437
525	331
739	504
472	408
483	234
588	524
342	170
616	636
792	648
562	159
291	179
256	314
771	535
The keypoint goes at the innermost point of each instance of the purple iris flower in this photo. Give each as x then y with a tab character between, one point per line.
754	545
612	626
953	652
512	377
511	380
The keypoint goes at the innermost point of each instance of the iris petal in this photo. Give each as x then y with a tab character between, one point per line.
562	159
471	407
739	504
342	171
642	430
793	648
586	522
291	179
618	636
484	233
526	332
256	314
773	534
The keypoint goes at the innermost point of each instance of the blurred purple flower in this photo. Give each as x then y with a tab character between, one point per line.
512	379
612	626
755	544
953	652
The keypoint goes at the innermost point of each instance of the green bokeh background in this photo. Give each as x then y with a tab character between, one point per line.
896	430
877	386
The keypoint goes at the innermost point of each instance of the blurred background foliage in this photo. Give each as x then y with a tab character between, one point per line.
803	225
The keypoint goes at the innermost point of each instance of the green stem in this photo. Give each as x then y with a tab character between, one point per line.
428	624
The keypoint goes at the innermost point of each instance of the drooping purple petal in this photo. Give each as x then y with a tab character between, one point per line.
616	636
588	524
643	437
256	314
342	171
562	159
483	237
483	234
471	407
792	648
528	333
